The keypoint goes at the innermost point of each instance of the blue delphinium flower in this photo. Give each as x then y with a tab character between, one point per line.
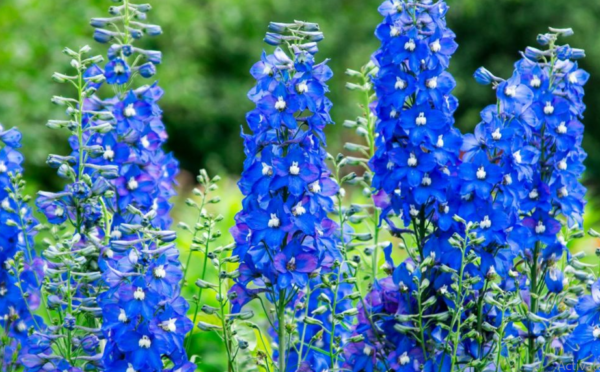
140	265
416	159
22	273
554	199
284	237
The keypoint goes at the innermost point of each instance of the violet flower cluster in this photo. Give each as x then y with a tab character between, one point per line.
21	274
285	239
113	271
144	315
489	228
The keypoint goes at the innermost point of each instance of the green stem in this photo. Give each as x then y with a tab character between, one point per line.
225	326
281	332
534	295
202	275
304	326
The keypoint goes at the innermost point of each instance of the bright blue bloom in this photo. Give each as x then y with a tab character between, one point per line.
117	71
283	234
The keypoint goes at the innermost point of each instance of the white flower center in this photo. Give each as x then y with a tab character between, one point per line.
299	210
421	119
393	113
145	142
274	221
535	82
6	203
562	128
534	194
3	167
59	212
432	83
517	156
132	184
129	111
511	90
130	369
109	253
440	141
109	154
426	181
481	174
410	45
302	87
294	168
267	70
315	187
394	31
159	272
145	342
412	160
139	294
390	165
169	325
21	326
413	211
497	135
486	223
573	78
267	170
404	359
435	46
540	228
562	165
563	192
280	104
548	109
368	350
508	179
400	84
122	316
119	69
596	332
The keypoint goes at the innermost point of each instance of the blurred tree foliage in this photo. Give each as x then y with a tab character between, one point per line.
210	45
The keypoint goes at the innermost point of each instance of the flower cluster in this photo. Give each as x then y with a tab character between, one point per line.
414	167
486	226
21	272
71	269
113	275
284	237
144	316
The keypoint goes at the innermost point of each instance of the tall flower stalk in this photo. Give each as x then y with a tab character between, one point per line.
144	316
284	237
542	105
21	274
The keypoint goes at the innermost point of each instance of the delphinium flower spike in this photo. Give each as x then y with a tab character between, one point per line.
71	272
286	242
21	272
539	111
144	316
417	152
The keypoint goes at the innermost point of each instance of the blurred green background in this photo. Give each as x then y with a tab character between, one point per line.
209	47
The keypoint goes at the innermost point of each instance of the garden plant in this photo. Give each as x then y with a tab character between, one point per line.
451	255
